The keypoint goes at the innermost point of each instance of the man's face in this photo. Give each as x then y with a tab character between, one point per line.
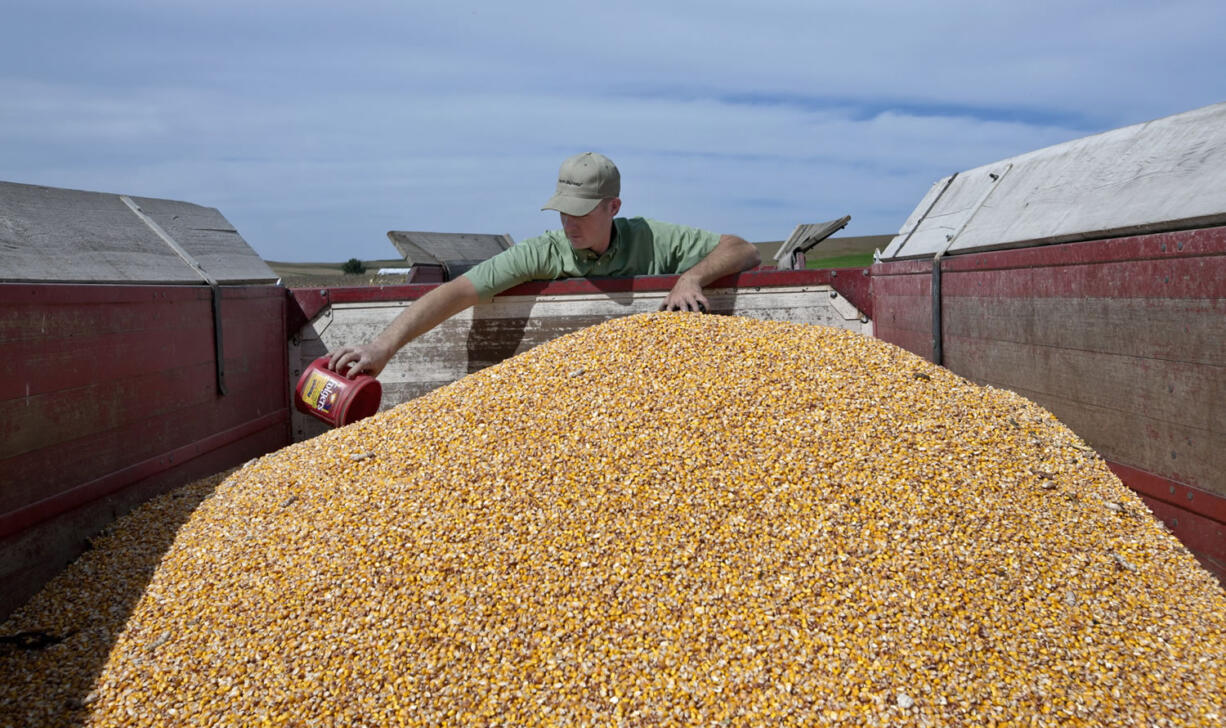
591	230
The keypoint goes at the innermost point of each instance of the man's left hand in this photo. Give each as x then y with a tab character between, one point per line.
685	296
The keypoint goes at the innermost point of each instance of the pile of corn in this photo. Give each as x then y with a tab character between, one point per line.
673	519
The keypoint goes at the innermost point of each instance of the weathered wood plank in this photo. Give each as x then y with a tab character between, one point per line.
82	451
902	307
1164	390
73	363
1174	277
907	313
1161	175
105	396
455	252
97	379
22	322
52	234
210	239
60	416
1143	328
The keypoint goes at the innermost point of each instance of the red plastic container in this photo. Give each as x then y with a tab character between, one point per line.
334	398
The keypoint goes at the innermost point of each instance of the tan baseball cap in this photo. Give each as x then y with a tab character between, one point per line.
583	181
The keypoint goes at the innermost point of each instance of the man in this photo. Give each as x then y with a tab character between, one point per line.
593	242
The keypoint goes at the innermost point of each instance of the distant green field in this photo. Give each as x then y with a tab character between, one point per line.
851	260
846	252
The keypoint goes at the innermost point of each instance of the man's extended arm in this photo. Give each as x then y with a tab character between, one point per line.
731	255
424	314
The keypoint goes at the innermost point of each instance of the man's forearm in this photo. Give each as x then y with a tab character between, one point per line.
427	312
731	255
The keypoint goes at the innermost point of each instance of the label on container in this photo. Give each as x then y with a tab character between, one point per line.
321	392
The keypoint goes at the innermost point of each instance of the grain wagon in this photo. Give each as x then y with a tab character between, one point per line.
147	345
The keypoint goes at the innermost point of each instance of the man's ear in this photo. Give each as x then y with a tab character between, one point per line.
615	204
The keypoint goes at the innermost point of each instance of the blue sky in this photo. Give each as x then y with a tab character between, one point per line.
316	127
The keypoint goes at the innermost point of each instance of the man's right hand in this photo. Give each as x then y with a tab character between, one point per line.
354	360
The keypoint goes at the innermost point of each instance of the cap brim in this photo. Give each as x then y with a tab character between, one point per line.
574	206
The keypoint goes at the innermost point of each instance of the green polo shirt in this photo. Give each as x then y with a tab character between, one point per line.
640	246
